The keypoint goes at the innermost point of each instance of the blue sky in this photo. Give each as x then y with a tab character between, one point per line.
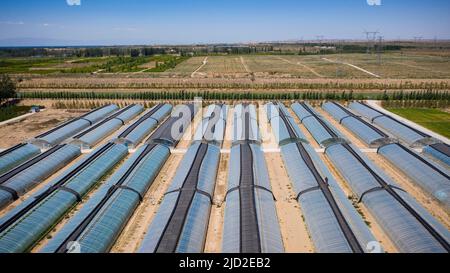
201	21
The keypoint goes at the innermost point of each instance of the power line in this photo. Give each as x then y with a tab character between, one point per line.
371	37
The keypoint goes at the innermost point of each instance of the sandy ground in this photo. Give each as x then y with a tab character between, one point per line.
214	235
34	125
431	205
216	220
293	228
374	227
305	131
348	134
372	224
135	230
414	190
60	224
59	172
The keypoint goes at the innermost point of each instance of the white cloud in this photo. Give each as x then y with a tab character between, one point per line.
12	23
73	2
374	2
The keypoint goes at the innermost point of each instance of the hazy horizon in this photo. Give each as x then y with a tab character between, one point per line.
136	22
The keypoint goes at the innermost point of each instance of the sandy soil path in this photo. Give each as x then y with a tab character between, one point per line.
354	66
205	61
215	227
245	65
293	229
304	66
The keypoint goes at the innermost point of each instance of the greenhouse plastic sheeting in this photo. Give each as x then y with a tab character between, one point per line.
408	135
100	113
404	230
142	127
200	161
16	155
101	233
66	130
240	111
212	128
193	232
278	127
364	131
312	123
24	232
270	235
23	179
95	134
181	117
439	151
433	179
324	229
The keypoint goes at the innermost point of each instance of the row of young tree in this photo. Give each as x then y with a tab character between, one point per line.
207	95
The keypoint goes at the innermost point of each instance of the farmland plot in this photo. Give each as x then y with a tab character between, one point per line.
188	66
328	69
397	66
224	65
278	65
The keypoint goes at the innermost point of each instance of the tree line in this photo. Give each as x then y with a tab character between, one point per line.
443	96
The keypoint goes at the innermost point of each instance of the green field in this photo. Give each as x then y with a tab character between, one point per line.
12	112
89	65
433	119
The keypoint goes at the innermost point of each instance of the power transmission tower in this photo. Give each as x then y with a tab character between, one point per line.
418	39
340	50
371	37
319	40
379	49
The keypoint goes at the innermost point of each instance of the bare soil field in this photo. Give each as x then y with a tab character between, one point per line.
223	65
34	125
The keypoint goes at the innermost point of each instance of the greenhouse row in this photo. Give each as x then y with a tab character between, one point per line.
428	175
251	222
96	182
94	134
29	174
181	223
333	223
100	221
18	154
401	130
410	227
25	225
369	134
